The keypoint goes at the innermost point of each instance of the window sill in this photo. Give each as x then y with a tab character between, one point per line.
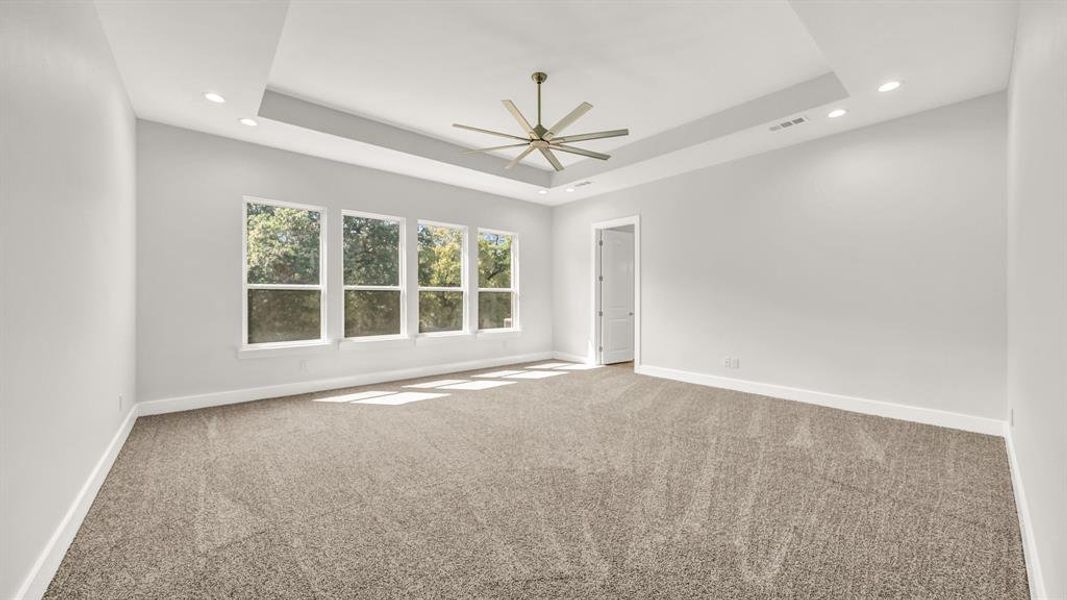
444	337
500	333
284	349
376	341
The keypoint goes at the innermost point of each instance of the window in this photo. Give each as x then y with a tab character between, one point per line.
283	273
442	275
497	288
373	275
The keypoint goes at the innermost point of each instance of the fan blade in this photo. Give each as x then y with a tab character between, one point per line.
590	136
565	121
514	110
551	158
490	132
477	150
519	158
574	150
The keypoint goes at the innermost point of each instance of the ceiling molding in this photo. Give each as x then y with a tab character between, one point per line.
772	107
301	113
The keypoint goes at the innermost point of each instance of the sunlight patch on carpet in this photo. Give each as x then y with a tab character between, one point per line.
476	385
400	398
535	375
353	397
436	384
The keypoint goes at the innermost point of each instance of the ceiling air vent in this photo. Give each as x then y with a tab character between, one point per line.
789	123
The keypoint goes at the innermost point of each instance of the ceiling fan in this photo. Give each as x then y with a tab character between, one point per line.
546	140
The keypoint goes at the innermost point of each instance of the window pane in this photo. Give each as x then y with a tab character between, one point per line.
372	312
440	311
494	310
372	251
440	256
283	315
494	260
283	245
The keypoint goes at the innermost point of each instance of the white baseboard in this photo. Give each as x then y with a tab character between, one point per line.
44	569
879	408
1033	565
570	357
169	405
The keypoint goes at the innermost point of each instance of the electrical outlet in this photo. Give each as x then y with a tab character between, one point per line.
121	402
735	363
1011	417
726	362
304	366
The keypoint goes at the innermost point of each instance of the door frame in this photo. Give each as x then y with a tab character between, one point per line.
595	356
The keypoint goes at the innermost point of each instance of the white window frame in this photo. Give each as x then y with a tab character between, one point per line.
401	274
245	286
513	290
463	283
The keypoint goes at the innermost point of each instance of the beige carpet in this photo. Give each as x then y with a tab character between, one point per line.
592	484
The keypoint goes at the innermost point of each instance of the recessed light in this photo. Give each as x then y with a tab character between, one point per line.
247	121
213	97
837	112
889	86
542	192
570	189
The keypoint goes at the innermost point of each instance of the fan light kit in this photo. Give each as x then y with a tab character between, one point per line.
546	140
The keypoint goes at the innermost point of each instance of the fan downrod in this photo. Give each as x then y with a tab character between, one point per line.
539	78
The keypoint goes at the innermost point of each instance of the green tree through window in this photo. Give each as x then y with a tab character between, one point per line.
373	292
284	297
440	270
496	293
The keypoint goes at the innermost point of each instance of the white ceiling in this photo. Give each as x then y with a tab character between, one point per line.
649	68
696	83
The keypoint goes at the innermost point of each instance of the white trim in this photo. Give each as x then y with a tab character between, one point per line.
374	341
169	405
376	216
879	408
439	337
268	350
44	568
571	357
1033	564
634	220
283	286
372	288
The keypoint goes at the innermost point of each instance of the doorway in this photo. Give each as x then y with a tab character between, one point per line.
616	291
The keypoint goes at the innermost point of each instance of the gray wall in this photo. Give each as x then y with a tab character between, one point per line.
190	188
870	263
66	267
1037	277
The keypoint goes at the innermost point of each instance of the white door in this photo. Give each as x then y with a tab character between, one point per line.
616	296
